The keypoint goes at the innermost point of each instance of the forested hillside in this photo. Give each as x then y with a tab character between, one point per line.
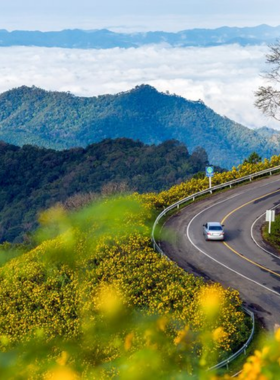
33	179
61	120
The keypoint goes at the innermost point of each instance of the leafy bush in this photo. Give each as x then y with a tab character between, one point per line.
177	192
103	302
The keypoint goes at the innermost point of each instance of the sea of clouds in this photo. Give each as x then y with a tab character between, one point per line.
224	77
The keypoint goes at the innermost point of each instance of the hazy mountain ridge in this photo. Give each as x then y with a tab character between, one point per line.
106	39
60	121
267	132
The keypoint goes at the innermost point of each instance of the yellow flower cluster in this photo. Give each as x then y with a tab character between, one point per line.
35	297
185	189
92	264
265	363
52	288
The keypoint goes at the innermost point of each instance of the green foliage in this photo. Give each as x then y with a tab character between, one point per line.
61	120
274	237
265	363
93	300
9	251
177	192
33	179
254	158
199	175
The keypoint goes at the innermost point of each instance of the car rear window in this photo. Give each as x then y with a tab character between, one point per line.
215	228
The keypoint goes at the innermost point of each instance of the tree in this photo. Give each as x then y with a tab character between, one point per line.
199	158
268	97
254	158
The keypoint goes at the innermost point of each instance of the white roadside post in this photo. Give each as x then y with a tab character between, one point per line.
209	170
270	217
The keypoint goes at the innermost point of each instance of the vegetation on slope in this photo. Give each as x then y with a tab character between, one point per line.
93	297
61	120
273	238
177	192
93	300
33	179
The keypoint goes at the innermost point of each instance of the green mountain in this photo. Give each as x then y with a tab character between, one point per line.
60	120
33	179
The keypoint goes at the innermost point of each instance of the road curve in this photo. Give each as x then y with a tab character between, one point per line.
238	262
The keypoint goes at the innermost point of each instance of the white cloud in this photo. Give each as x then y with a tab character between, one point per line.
225	77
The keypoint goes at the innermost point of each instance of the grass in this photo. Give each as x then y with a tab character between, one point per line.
274	237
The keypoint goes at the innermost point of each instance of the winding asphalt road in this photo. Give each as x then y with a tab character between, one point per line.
253	269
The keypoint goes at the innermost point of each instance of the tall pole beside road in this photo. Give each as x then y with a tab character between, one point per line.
209	170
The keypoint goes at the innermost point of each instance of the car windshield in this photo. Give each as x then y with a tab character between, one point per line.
215	228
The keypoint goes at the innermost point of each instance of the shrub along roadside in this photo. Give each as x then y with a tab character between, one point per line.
95	283
177	192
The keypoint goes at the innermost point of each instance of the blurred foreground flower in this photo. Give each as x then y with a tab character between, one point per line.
211	299
265	363
94	300
61	374
108	301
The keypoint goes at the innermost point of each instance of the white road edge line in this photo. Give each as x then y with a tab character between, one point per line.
217	261
254	240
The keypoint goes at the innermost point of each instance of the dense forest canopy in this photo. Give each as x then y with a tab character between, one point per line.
60	121
33	178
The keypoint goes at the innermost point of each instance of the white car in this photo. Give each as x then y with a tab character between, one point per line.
213	231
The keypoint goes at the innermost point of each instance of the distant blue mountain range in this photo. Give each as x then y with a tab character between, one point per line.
106	39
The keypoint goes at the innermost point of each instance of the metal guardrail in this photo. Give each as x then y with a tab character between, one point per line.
193	197
242	349
203	192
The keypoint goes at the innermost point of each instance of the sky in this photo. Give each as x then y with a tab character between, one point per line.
136	15
225	77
